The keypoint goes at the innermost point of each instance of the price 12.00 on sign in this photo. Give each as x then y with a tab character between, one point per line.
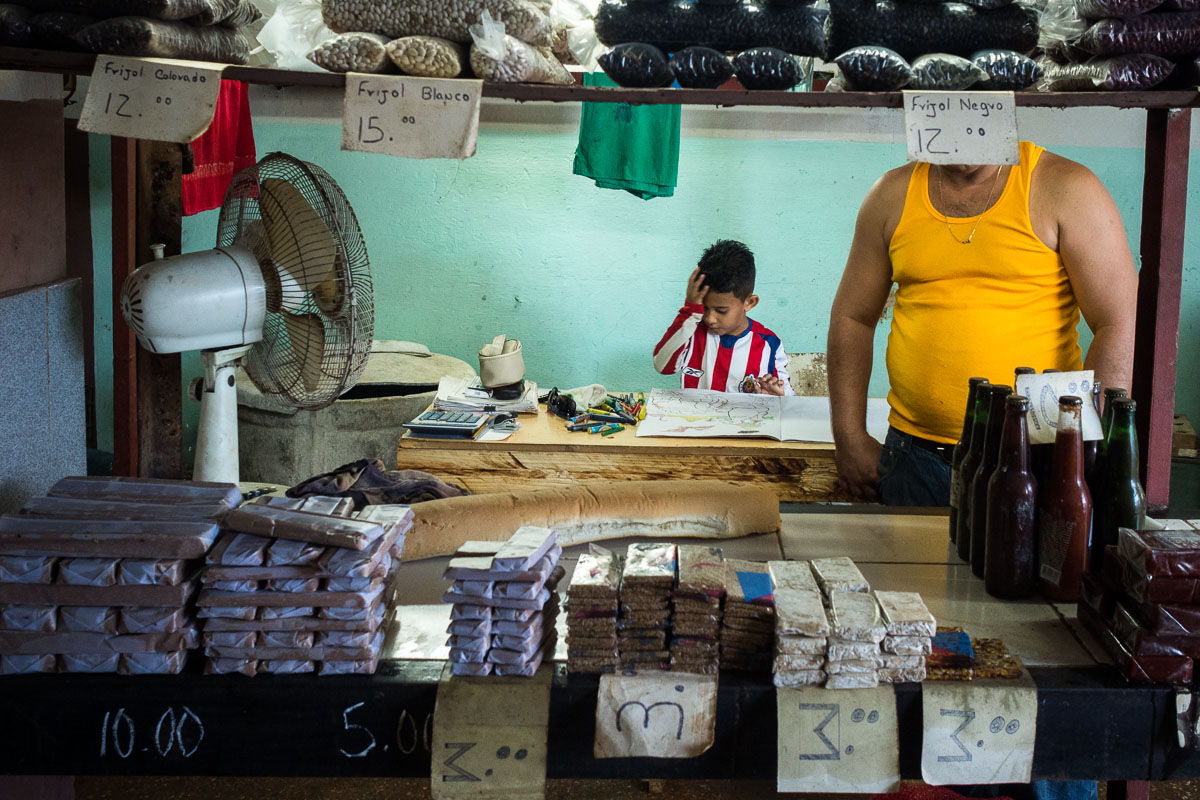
961	127
411	117
151	98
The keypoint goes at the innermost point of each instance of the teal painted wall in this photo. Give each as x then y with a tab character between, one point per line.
510	241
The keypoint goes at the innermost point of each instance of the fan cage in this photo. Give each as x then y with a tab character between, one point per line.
315	343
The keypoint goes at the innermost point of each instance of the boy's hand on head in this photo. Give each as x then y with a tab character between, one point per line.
696	290
769	384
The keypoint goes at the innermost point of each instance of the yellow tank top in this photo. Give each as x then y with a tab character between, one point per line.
1004	301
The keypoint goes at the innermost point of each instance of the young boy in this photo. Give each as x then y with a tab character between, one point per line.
712	341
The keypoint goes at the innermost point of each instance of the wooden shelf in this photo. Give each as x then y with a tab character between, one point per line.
81	64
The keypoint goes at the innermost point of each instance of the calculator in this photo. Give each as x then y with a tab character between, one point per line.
447	424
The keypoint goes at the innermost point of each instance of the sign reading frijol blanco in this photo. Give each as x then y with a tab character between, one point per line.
411	117
961	127
162	99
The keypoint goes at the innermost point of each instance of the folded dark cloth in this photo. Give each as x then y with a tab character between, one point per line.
367	483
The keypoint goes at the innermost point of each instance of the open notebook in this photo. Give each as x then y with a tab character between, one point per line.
701	413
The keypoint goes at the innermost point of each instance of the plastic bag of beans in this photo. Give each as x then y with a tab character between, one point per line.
496	56
767	68
428	56
637	65
152	38
1119	73
1007	71
352	52
701	68
14	25
1171	34
446	19
913	30
678	24
944	72
873	69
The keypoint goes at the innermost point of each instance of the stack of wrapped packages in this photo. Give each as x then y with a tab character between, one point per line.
748	626
504	604
296	586
199	30
1145	606
909	639
645	620
1123	45
592	608
801	626
99	575
856	628
696	610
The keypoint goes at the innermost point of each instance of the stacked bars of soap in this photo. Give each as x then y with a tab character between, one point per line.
505	604
296	586
696	609
748	623
644	622
592	607
909	639
98	575
801	625
856	627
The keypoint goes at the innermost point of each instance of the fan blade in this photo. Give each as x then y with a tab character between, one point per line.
300	241
307	333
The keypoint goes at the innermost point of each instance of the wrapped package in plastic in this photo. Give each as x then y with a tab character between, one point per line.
343	638
1101	9
944	72
800	645
842	650
87	571
839	573
1171	34
913	30
43	619
637	65
286	667
150	572
873	69
1118	73
913	674
27	569
292	585
239	550
525	669
496	56
285	612
1169	552
352	52
1007	70
677	24
446	19
852	667
151	38
795	679
90	662
362	667
24	665
1141	642
152	663
87	619
291	553
289	638
1145	669
15	28
800	613
231	666
427	56
905	614
767	68
152	619
855	616
470	627
478	670
457	656
227	612
852	680
231	638
234	586
908	645
230	13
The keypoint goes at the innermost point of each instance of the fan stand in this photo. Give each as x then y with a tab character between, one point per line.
217	437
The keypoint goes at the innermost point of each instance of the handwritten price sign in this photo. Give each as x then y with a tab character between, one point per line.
151	98
978	732
961	127
837	740
656	714
411	117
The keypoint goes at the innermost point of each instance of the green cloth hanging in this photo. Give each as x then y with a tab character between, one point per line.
635	148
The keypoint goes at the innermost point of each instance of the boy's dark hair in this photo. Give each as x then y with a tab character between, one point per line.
728	266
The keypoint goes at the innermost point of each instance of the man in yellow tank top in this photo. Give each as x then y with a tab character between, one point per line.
993	265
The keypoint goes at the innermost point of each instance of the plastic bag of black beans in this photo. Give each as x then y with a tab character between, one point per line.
1102	9
14	25
1180	5
873	69
155	9
637	65
1124	73
767	68
678	24
1007	71
1171	34
944	72
151	38
913	30
700	68
230	13
54	29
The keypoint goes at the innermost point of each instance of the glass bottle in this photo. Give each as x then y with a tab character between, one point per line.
1011	510
1065	510
960	453
988	460
970	464
1095	471
1091	449
1019	371
1123	503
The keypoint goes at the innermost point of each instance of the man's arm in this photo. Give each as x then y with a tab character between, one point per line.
860	299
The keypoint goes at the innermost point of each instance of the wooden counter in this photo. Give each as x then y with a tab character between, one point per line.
543	453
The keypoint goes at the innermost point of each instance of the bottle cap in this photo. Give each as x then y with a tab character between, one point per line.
1070	400
1017	401
1112	392
1124	403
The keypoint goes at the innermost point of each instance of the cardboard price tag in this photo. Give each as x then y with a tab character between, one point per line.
978	732
411	117
658	714
961	127
838	740
489	737
151	98
1043	392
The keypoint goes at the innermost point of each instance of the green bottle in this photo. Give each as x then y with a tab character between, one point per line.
960	453
1123	504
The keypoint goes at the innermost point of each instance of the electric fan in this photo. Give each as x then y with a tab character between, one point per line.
286	293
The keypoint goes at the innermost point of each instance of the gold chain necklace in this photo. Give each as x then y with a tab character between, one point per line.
942	192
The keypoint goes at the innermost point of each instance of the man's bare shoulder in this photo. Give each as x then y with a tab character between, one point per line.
1062	177
885	199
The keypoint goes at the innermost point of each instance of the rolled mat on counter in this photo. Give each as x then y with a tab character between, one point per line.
593	512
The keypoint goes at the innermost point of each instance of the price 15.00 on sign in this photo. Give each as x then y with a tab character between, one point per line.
151	98
411	117
961	127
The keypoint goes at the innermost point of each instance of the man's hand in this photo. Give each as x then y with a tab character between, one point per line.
768	384
858	467
696	291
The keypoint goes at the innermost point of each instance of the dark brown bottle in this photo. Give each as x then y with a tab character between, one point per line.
960	453
1065	510
1123	503
1091	449
1011	510
970	464
1019	371
979	484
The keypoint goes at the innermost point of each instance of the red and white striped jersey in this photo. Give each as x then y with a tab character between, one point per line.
708	361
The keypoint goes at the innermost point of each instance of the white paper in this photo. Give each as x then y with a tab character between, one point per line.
161	99
981	731
1043	392
961	127
835	740
411	117
657	714
466	394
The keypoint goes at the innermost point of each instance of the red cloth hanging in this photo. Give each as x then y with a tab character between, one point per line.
225	149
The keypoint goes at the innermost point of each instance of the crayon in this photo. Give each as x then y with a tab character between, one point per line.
610	418
580	427
607	426
612	430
